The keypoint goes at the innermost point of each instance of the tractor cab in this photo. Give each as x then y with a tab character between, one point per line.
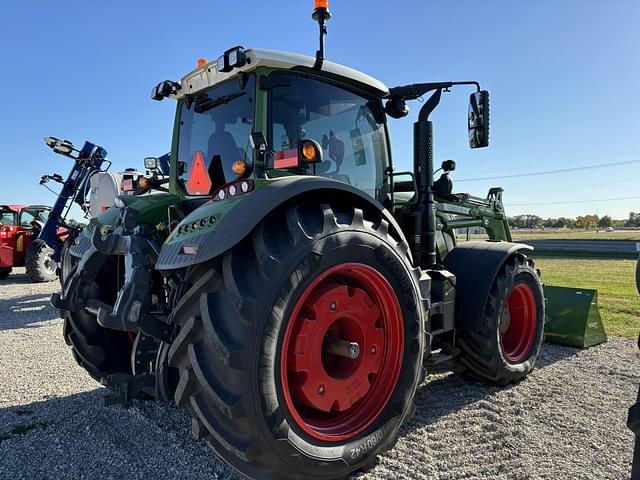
269	114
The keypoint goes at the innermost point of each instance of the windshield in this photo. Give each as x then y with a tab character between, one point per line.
348	127
7	217
215	128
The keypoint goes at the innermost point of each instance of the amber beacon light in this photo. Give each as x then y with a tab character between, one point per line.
321	14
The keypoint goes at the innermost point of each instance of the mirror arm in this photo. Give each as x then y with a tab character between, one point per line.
416	90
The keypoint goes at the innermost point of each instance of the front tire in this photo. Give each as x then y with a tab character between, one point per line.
503	344
39	263
264	388
100	351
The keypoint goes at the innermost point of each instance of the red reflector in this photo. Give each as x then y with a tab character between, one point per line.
104	209
286	159
189	249
198	182
127	185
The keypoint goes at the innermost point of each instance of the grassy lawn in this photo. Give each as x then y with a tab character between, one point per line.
615	281
519	235
575	235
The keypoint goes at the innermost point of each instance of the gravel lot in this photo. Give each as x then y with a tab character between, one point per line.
566	421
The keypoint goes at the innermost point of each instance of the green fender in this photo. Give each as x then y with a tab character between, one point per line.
222	224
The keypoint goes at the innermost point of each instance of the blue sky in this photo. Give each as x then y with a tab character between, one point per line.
563	78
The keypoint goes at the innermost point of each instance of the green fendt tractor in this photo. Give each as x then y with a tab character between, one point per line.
290	290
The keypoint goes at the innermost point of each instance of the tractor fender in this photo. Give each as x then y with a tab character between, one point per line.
236	217
475	265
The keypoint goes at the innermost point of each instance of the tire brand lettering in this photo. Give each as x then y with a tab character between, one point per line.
397	269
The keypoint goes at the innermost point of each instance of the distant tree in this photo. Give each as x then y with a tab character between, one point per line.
525	221
633	221
605	221
587	222
615	223
563	222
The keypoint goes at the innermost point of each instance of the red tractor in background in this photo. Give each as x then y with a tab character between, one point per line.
19	226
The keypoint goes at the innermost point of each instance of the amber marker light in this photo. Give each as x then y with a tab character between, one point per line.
143	183
239	167
321	4
201	62
309	151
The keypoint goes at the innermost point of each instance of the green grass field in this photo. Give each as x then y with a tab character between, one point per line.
615	281
575	235
519	235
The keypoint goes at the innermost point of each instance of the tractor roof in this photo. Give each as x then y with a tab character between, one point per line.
208	74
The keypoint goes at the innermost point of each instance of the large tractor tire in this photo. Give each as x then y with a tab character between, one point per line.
638	276
502	344
39	262
68	262
100	351
269	369
5	272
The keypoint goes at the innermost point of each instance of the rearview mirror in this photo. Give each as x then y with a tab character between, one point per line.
479	119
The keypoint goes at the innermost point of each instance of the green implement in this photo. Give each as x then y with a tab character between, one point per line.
567	309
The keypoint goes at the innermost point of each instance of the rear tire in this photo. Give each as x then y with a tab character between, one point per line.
39	262
238	342
503	344
638	276
5	272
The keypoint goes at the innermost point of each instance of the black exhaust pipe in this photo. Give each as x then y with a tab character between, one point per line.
425	219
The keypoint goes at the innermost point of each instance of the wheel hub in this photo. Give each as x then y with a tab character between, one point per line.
327	348
342	352
518	323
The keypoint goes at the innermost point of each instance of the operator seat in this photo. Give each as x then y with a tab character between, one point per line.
222	152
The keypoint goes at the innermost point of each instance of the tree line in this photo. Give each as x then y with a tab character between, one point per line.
583	222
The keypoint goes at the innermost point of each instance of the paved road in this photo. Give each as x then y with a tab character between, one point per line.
609	246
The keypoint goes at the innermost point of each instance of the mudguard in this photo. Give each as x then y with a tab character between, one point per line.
475	265
235	218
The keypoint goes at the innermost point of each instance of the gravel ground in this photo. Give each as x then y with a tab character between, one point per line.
565	421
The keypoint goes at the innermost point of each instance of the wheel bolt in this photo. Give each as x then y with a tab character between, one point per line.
333	306
373	350
320	389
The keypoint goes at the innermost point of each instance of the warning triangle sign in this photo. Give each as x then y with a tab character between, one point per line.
198	181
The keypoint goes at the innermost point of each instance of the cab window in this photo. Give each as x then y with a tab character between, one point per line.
7	217
27	217
216	125
348	127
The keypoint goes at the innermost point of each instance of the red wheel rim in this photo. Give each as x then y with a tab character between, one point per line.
518	323
331	396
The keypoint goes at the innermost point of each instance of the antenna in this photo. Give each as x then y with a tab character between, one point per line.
321	14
